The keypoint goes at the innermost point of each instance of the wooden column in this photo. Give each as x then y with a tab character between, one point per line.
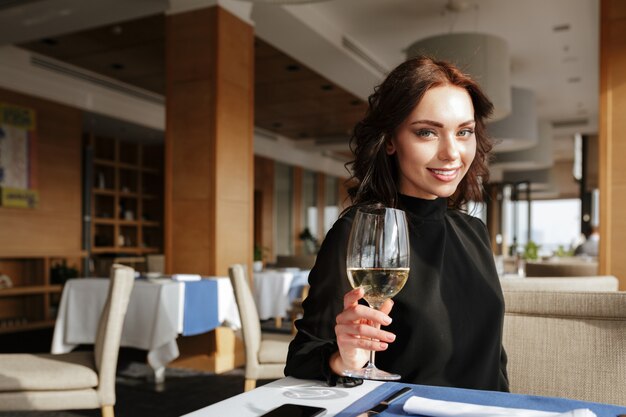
209	142
612	124
209	179
264	187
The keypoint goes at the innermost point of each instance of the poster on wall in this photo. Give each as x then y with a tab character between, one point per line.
18	179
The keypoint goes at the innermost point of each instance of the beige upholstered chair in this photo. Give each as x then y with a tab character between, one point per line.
567	344
75	380
598	283
266	354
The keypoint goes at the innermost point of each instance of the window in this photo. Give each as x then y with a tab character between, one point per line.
283	202
554	223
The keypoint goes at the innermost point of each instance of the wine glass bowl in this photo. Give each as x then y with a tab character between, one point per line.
378	262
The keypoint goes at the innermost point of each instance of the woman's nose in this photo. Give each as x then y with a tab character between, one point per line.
449	149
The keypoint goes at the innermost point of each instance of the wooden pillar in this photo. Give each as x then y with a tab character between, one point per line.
612	170
209	142
264	188
209	157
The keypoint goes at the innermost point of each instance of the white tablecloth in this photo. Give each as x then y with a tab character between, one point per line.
287	390
274	290
153	320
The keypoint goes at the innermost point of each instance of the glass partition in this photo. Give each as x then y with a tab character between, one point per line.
283	206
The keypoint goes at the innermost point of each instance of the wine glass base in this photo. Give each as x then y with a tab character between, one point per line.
370	372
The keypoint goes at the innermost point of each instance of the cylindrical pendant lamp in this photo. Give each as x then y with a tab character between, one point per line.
536	157
519	130
484	57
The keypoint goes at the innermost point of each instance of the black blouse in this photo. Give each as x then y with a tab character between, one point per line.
447	318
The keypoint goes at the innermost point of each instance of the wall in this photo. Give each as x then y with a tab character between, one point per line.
55	226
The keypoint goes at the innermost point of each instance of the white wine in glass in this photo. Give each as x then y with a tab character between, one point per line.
378	262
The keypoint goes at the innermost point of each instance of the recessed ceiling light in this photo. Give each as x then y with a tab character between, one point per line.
573	79
561	28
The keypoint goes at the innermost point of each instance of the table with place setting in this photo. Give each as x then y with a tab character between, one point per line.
418	400
159	311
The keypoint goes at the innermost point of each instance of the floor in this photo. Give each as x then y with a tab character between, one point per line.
182	392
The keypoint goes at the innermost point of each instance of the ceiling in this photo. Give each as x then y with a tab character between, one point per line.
315	64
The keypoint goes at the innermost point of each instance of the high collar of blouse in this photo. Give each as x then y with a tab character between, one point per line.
434	209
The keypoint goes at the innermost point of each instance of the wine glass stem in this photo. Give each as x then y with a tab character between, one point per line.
371	364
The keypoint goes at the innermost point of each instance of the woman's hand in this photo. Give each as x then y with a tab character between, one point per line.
358	332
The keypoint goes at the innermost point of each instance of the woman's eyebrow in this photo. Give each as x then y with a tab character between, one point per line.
427	122
437	124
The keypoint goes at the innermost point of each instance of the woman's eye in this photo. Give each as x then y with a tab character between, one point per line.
466	133
425	133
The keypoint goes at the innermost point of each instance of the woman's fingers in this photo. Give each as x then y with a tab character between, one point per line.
361	331
358	313
387	306
352	297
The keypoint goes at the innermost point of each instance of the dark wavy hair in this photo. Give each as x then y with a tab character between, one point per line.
374	172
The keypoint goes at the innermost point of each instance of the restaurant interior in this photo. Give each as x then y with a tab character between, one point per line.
197	152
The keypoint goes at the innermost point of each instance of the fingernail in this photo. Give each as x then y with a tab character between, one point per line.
391	337
387	320
383	345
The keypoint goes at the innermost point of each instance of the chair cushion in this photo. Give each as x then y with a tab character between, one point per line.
274	348
74	370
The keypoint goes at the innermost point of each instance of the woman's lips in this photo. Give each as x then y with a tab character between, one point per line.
445	175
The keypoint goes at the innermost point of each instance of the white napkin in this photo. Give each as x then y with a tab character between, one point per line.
437	408
186	277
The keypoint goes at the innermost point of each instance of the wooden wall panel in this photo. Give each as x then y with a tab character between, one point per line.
55	226
209	142
612	146
264	184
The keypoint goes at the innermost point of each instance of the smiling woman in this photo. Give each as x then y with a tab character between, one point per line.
420	148
436	144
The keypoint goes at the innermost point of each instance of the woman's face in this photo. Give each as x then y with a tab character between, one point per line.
435	145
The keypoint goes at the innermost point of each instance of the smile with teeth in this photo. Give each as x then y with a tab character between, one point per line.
444	172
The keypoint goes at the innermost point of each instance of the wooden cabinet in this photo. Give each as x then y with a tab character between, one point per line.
32	302
126	197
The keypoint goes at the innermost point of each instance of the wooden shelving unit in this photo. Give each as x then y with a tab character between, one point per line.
126	197
32	302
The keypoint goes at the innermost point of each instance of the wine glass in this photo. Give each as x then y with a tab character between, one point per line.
378	262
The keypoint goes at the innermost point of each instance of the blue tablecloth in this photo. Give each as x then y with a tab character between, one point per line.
499	399
200	307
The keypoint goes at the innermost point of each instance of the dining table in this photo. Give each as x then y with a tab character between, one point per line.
275	290
159	310
355	401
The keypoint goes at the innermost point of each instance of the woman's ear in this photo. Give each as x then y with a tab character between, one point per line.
390	148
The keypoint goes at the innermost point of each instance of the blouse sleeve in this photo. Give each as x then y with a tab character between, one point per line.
484	232
315	340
